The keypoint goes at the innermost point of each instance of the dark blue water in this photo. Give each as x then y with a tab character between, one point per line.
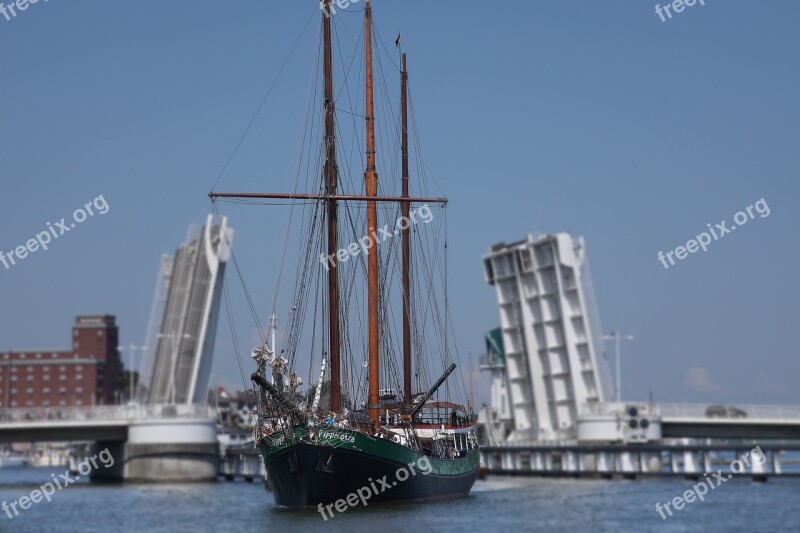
498	504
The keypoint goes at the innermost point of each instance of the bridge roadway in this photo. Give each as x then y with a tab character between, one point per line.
111	423
741	422
86	424
693	421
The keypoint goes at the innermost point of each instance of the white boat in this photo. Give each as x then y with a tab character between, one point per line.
13	461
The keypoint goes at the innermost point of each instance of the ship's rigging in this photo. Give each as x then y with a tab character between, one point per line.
395	327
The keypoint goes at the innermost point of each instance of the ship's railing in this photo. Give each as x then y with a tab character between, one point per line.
105	413
434	420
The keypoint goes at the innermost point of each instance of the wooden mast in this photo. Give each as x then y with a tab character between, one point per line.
332	198
405	207
331	175
371	182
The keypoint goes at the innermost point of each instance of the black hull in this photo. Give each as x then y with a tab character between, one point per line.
307	475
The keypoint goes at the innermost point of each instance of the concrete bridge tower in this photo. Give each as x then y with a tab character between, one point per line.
554	359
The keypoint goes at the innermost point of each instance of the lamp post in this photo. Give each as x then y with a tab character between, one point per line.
616	337
132	362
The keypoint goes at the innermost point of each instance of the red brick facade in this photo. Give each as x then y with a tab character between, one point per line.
88	374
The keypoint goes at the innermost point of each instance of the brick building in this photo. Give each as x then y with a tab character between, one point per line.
90	373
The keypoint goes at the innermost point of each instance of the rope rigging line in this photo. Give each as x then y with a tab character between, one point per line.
263	101
429	305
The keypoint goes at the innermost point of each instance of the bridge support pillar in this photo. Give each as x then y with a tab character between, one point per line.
707	464
690	465
627	463
651	462
570	462
603	462
164	451
757	465
777	468
538	461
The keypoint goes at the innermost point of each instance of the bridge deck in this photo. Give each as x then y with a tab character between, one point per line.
97	423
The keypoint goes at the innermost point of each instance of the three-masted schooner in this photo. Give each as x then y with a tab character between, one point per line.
319	456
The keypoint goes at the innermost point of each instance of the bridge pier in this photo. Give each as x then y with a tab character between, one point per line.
777	468
690	464
163	451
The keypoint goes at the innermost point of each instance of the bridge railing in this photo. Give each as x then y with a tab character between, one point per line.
691	410
618	408
105	413
760	412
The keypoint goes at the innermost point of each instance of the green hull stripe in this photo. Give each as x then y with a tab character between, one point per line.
359	442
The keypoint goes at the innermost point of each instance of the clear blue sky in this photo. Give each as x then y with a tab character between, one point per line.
591	117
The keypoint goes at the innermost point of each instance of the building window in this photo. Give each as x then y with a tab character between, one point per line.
30	378
46	403
13	378
38	356
525	260
78	402
30	391
13	392
45	378
62	403
79	368
79	390
13	404
54	355
46	390
62	368
22	356
76	345
62	377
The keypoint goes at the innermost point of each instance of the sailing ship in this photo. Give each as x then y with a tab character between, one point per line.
321	447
